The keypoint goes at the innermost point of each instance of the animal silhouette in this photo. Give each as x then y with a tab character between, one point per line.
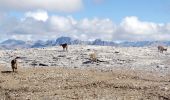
161	49
65	46
14	64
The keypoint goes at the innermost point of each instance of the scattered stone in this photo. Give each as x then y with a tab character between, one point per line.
62	56
41	64
87	62
116	51
161	66
55	58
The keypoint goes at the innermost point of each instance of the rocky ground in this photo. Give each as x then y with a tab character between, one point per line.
122	73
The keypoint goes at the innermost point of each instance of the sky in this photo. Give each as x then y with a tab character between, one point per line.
110	20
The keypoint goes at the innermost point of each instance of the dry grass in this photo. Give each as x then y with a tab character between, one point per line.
65	84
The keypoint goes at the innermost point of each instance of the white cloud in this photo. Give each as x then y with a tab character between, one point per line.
22	36
85	28
39	15
167	27
50	5
131	28
55	26
61	24
98	28
135	26
33	27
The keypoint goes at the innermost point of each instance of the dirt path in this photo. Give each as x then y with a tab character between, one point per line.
83	84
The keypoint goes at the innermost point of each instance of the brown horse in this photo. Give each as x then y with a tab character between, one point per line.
161	49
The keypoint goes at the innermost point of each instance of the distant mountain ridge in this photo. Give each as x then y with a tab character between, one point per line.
14	44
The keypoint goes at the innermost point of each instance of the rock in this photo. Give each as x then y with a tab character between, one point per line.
88	49
87	62
41	64
62	56
34	64
161	66
116	51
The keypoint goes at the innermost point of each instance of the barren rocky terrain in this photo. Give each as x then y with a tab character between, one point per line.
121	73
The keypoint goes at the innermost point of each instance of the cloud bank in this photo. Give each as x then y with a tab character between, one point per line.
39	15
39	25
49	5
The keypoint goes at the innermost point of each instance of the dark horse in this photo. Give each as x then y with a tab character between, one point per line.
65	46
14	64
